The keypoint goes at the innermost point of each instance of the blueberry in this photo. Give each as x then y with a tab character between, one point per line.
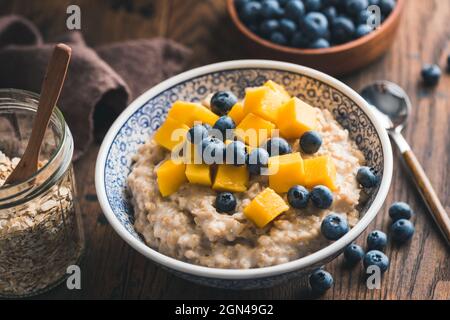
448	63
377	240
386	6
319	44
376	258
283	2
250	11
197	133
236	153
224	124
330	13
207	126
320	281
310	141
354	7
353	254
268	26
277	146
298	197
312	5
363	30
315	25
334	227
240	4
278	38
294	9
431	74
342	30
287	27
402	230
366	177
374	2
256	160
225	202
299	40
213	150
270	9
363	17
321	197
400	210
222	102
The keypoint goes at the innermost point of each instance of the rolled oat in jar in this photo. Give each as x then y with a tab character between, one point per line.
41	232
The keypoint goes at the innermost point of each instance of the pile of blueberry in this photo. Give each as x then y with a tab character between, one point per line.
310	23
334	227
431	73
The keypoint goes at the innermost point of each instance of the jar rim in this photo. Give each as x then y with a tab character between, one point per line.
65	134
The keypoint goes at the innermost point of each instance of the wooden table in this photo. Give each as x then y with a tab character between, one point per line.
419	270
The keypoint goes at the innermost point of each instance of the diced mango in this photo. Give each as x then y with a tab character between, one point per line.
265	207
199	174
253	130
231	178
286	171
171	133
320	170
296	117
265	101
237	113
277	87
170	176
190	112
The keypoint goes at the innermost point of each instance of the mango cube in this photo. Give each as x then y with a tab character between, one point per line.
237	113
265	207
265	101
286	171
320	170
253	130
171	133
170	176
296	117
199	174
231	178
190	112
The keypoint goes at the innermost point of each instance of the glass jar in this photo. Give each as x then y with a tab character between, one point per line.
41	232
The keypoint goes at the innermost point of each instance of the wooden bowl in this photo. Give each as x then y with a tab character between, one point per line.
336	60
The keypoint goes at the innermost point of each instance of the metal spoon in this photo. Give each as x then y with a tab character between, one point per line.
392	106
51	88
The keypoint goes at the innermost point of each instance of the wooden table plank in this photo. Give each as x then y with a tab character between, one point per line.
419	270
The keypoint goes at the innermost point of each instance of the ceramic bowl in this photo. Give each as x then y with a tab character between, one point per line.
337	60
137	123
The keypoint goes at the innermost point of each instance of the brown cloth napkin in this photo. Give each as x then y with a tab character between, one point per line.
101	81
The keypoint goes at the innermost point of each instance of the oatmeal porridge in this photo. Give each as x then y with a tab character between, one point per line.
180	208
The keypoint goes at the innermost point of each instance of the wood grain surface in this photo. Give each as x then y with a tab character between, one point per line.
419	270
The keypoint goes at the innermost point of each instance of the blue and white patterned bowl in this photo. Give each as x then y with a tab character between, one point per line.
146	113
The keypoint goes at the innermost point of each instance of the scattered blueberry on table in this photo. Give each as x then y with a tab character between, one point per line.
431	74
277	146
256	160
377	240
222	102
310	23
353	254
310	142
320	281
367	177
225	202
236	153
376	258
334	227
321	197
400	210
298	197
402	230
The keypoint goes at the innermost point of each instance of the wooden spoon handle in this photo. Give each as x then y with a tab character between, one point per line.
429	195
51	89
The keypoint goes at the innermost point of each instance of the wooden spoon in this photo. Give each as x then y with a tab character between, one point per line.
51	89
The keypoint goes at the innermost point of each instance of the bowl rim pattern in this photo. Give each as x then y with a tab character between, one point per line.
253	273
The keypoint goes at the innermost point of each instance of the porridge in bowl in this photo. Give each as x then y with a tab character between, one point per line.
253	190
